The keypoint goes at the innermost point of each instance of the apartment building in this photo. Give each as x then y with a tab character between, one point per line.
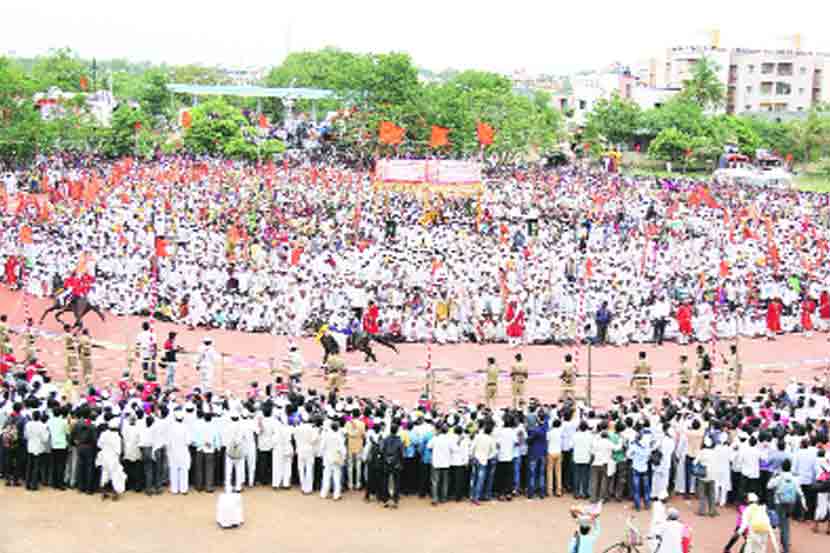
757	80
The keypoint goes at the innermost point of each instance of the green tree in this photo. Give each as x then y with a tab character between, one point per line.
219	128
678	113
129	132
198	74
811	136
20	123
153	94
772	135
616	120
728	129
670	145
705	87
61	68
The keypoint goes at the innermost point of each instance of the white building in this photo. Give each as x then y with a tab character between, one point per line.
757	80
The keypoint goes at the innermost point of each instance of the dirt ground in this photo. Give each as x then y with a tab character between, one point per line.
68	522
459	368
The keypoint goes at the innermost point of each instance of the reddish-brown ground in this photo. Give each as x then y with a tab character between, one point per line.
400	376
286	521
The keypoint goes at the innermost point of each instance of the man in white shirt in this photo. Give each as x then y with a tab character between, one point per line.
442	446
333	447
307	438
554	465
206	364
178	454
145	343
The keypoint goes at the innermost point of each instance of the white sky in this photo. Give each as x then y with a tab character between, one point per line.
540	36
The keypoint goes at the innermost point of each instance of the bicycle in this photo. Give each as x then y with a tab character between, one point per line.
631	542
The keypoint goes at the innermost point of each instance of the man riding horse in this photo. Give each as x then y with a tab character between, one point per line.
355	340
72	299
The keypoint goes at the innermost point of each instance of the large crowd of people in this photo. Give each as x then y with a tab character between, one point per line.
767	448
540	256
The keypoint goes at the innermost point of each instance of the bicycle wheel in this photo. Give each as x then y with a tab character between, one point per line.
617	548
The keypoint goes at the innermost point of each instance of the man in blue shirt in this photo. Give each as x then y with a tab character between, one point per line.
639	453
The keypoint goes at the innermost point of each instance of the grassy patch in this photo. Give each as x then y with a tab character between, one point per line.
811	182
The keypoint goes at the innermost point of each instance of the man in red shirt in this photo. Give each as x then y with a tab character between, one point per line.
370	319
86	281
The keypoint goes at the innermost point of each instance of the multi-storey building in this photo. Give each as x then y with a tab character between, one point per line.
757	80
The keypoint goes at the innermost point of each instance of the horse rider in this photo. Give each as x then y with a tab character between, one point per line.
71	288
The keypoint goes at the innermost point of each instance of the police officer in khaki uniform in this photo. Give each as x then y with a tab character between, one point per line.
518	376
70	350
703	374
685	377
85	353
568	379
4	332
29	342
491	386
335	373
733	372
641	379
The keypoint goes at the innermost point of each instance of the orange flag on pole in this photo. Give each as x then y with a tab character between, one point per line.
390	133
187	119
263	121
440	137
25	234
486	134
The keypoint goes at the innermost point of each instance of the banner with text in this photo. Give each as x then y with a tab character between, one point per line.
428	171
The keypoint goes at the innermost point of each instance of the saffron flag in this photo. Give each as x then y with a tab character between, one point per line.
263	121
390	133
84	83
486	134
161	247
83	263
440	137
187	119
25	234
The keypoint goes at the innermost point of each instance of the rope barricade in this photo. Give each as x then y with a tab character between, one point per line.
111	355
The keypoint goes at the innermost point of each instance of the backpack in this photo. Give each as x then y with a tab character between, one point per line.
235	449
392	453
656	457
786	492
10	436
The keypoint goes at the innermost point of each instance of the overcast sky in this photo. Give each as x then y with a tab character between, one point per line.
540	36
